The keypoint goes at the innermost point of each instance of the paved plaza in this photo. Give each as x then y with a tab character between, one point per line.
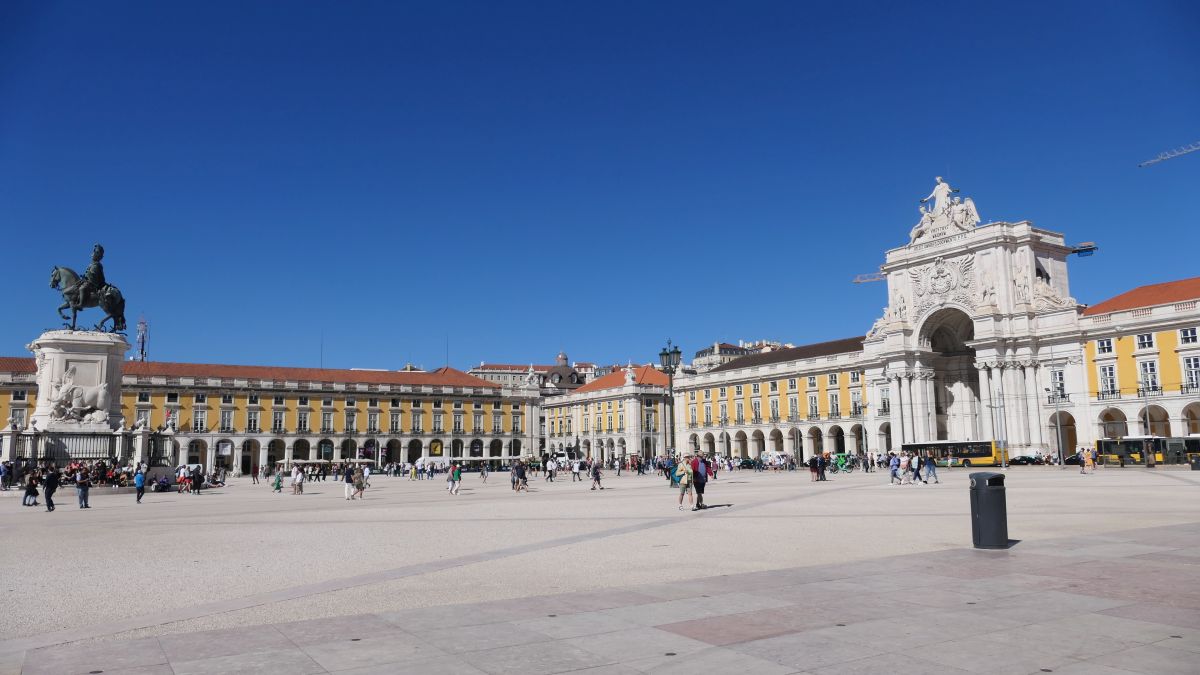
782	575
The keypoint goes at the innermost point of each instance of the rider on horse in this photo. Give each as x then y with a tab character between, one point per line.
92	281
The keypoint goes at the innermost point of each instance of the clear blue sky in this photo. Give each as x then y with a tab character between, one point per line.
595	177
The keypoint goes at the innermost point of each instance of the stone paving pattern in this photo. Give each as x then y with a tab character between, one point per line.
1112	602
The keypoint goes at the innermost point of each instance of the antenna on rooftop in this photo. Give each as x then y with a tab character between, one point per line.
143	338
1171	154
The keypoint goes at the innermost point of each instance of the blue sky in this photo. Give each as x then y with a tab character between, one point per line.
519	178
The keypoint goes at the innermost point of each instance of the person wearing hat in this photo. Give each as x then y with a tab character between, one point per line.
683	476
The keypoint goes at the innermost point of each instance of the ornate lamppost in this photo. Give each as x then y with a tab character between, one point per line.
669	359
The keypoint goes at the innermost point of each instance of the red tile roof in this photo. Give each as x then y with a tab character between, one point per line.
1149	296
448	377
645	375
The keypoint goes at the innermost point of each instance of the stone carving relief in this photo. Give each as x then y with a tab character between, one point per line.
943	281
71	402
1045	297
986	296
942	214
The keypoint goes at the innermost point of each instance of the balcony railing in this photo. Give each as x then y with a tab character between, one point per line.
1058	399
1189	389
885	409
756	420
723	421
793	418
277	429
834	415
253	430
814	417
1111	395
461	432
775	419
741	420
856	412
1147	392
225	430
707	423
327	430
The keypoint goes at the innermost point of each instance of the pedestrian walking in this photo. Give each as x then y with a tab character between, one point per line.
360	484
278	484
894	469
483	472
455	478
916	468
551	467
575	467
139	482
596	476
931	470
197	479
31	491
521	476
700	468
348	483
366	472
812	468
50	484
83	484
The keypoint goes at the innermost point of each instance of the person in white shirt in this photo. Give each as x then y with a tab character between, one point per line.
575	467
551	467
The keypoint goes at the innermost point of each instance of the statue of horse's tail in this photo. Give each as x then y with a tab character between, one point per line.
115	307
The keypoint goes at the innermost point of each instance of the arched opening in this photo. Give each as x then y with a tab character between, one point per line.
300	449
725	444
369	449
885	438
776	442
393	451
225	454
324	449
1154	421
477	447
620	450
856	437
837	440
516	447
436	448
277	448
693	442
197	452
710	445
954	414
1062	431
758	444
414	451
496	448
741	446
796	443
1113	424
349	449
249	455
456	448
612	447
648	449
816	442
1191	419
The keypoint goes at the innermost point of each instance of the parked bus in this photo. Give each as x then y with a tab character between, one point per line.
959	453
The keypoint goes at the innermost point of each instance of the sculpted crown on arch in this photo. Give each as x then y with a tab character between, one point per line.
942	214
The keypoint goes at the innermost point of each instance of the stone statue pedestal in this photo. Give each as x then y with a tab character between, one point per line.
78	381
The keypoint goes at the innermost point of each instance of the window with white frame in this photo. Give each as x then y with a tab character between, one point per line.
707	414
793	408
833	379
691	416
755	388
351	420
737	390
1191	371
812	381
756	408
277	422
477	422
172	397
199	420
834	405
418	421
708	394
774	408
792	383
394	422
200	398
497	423
1104	346
774	386
724	412
253	399
1058	382
143	397
226	399
1145	341
372	422
302	422
741	411
458	423
721	393
813	405
143	416
326	422
1187	336
856	402
18	416
1148	374
855	376
252	420
1108	379
278	400
691	397
437	423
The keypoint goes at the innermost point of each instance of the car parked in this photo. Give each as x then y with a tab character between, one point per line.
1026	460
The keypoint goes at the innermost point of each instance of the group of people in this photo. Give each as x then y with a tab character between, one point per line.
905	469
45	480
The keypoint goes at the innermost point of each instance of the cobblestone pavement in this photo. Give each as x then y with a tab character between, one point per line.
847	576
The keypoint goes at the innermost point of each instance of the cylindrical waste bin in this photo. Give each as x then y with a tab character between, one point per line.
1195	461
989	511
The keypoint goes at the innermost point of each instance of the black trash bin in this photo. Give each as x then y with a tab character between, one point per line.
1195	462
989	511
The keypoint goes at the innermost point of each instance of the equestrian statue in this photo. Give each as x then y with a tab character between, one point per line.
90	290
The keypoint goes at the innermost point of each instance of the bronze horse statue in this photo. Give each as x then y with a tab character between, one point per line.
107	298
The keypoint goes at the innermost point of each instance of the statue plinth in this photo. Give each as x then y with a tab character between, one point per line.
78	381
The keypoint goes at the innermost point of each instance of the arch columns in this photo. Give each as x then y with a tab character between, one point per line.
988	415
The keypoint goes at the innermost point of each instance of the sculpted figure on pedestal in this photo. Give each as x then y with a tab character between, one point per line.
942	214
90	290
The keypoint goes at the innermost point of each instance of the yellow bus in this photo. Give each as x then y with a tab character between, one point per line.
959	453
1134	449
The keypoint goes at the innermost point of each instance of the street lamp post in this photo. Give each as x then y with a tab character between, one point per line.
669	359
1057	396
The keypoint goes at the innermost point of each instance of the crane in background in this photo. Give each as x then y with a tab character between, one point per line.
1171	154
